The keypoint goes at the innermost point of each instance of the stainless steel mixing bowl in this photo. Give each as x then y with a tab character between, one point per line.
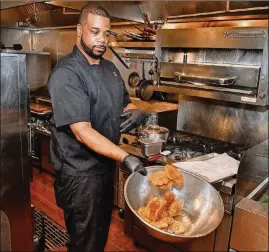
202	203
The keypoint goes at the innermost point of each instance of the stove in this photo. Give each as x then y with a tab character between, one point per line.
184	146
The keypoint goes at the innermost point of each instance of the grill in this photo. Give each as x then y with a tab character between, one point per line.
220	63
55	236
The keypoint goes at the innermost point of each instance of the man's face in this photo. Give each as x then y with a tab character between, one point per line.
95	35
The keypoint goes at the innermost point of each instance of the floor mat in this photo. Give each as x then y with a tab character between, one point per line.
55	235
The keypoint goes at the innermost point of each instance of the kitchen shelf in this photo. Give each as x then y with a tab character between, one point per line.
154	106
138	44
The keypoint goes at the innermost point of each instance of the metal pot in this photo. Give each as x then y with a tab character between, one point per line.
133	79
201	202
143	90
153	132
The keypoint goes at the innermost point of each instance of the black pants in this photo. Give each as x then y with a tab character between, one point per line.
87	204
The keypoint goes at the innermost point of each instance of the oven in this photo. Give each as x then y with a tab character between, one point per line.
227	63
39	132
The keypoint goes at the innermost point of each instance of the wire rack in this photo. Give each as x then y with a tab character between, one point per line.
55	235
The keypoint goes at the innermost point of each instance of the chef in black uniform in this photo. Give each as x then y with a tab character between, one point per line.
88	98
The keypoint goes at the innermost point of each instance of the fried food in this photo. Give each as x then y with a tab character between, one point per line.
173	174
158	178
167	220
176	207
178	227
169	197
179	180
155	208
168	186
141	211
167	178
163	223
160	224
166	213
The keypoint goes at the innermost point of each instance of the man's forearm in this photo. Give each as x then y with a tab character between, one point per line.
98	143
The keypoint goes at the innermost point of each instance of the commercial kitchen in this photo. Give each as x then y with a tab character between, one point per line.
200	71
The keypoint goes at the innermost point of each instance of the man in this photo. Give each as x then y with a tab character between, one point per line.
88	97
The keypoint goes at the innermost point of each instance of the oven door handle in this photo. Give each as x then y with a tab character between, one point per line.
29	139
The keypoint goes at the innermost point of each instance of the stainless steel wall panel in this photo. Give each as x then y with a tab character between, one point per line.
66	39
57	42
38	69
46	41
235	123
16	36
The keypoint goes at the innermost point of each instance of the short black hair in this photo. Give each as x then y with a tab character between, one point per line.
90	9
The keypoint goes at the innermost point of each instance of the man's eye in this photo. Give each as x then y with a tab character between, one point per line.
94	32
107	34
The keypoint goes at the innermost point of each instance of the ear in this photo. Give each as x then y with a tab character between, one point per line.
79	30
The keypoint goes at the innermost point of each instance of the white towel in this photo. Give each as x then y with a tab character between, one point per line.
213	169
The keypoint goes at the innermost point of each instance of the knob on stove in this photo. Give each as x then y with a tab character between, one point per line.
121	213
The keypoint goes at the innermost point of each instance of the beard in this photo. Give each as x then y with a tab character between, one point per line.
89	51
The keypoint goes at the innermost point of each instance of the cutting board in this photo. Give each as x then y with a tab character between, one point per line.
212	170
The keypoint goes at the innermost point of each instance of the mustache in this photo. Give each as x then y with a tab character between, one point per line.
99	46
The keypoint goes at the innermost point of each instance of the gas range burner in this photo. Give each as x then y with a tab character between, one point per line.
180	154
184	146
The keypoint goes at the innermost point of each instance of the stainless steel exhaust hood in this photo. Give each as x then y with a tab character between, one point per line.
43	14
63	13
127	10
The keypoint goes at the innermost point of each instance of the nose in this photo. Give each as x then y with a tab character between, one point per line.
103	38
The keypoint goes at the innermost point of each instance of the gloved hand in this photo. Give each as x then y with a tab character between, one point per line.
135	117
133	164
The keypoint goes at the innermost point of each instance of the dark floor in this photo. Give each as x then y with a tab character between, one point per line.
42	197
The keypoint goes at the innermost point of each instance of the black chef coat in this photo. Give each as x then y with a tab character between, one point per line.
81	92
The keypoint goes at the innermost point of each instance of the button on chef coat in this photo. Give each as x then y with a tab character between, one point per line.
81	92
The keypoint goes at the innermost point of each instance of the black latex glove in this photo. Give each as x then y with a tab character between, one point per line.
133	164
135	117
